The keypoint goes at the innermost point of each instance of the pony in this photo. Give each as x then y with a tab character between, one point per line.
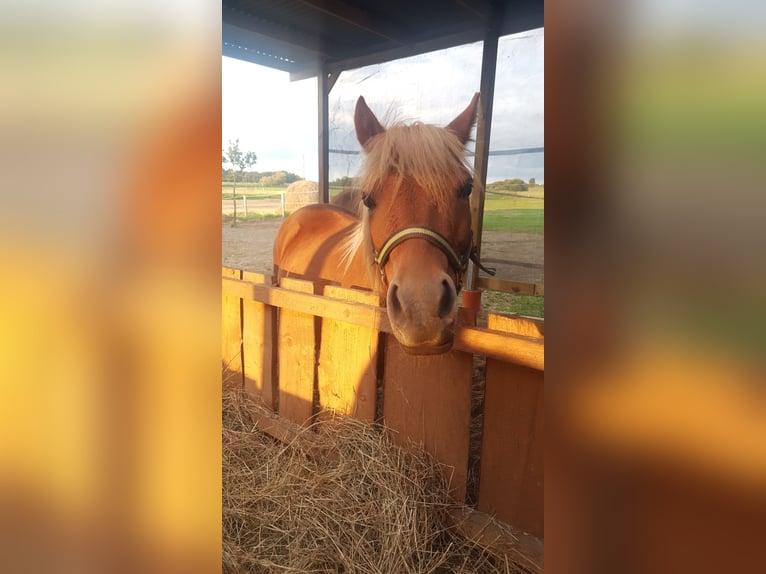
409	240
350	199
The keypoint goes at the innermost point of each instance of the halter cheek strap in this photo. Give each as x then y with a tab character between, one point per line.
458	262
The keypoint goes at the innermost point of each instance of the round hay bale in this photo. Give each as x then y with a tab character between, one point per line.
300	193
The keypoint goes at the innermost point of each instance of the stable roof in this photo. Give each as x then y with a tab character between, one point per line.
303	37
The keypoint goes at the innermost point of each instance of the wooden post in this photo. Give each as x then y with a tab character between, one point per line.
231	340
297	357
348	357
259	336
427	400
512	467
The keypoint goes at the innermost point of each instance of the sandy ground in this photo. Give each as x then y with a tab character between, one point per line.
517	256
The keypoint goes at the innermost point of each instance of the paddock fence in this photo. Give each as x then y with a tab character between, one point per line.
301	350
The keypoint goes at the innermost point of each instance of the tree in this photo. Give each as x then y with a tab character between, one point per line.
240	161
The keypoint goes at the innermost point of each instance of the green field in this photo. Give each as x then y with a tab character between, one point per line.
255	191
252	191
528	305
522	212
508	212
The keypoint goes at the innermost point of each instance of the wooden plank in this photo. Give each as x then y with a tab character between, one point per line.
356	313
231	332
506	286
504	346
427	400
516	324
258	350
297	358
511	479
523	548
348	356
285	430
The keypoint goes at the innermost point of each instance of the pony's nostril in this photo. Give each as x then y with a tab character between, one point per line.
394	304
447	301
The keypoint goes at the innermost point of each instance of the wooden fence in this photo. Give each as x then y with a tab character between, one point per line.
300	352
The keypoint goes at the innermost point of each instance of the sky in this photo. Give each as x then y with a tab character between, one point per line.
277	119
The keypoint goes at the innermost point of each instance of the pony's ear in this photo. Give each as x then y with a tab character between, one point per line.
365	122
462	125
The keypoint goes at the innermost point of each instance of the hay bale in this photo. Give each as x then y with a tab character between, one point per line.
362	505
300	193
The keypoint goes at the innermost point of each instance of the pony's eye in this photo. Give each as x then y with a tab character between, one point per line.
465	189
368	201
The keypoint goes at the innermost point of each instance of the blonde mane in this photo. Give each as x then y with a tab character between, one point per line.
433	158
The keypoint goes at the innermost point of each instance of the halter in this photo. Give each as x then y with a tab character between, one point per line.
459	263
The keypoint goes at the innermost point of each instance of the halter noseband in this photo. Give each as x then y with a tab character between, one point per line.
459	263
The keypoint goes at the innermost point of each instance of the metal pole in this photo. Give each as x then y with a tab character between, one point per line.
323	135
325	82
483	129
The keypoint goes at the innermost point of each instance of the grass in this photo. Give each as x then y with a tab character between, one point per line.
508	212
502	211
523	212
252	191
518	220
528	305
504	201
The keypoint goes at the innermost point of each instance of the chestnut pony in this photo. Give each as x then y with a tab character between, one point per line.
410	241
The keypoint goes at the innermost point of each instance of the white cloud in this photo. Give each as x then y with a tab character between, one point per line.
277	119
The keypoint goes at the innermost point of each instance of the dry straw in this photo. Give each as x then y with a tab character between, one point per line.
339	498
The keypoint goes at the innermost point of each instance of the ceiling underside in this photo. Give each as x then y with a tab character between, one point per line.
305	36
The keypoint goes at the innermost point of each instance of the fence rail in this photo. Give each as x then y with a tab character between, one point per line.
299	349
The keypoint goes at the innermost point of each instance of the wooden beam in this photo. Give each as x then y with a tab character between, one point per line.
354	313
516	349
506	286
525	351
517	324
378	56
480	8
357	17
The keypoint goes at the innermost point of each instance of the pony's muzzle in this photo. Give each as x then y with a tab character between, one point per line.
422	313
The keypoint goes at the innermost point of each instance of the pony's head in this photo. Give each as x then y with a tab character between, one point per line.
415	186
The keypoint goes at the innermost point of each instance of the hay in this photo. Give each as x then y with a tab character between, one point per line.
300	193
347	500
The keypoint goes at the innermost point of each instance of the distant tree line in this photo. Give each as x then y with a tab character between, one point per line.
514	184
264	178
344	182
